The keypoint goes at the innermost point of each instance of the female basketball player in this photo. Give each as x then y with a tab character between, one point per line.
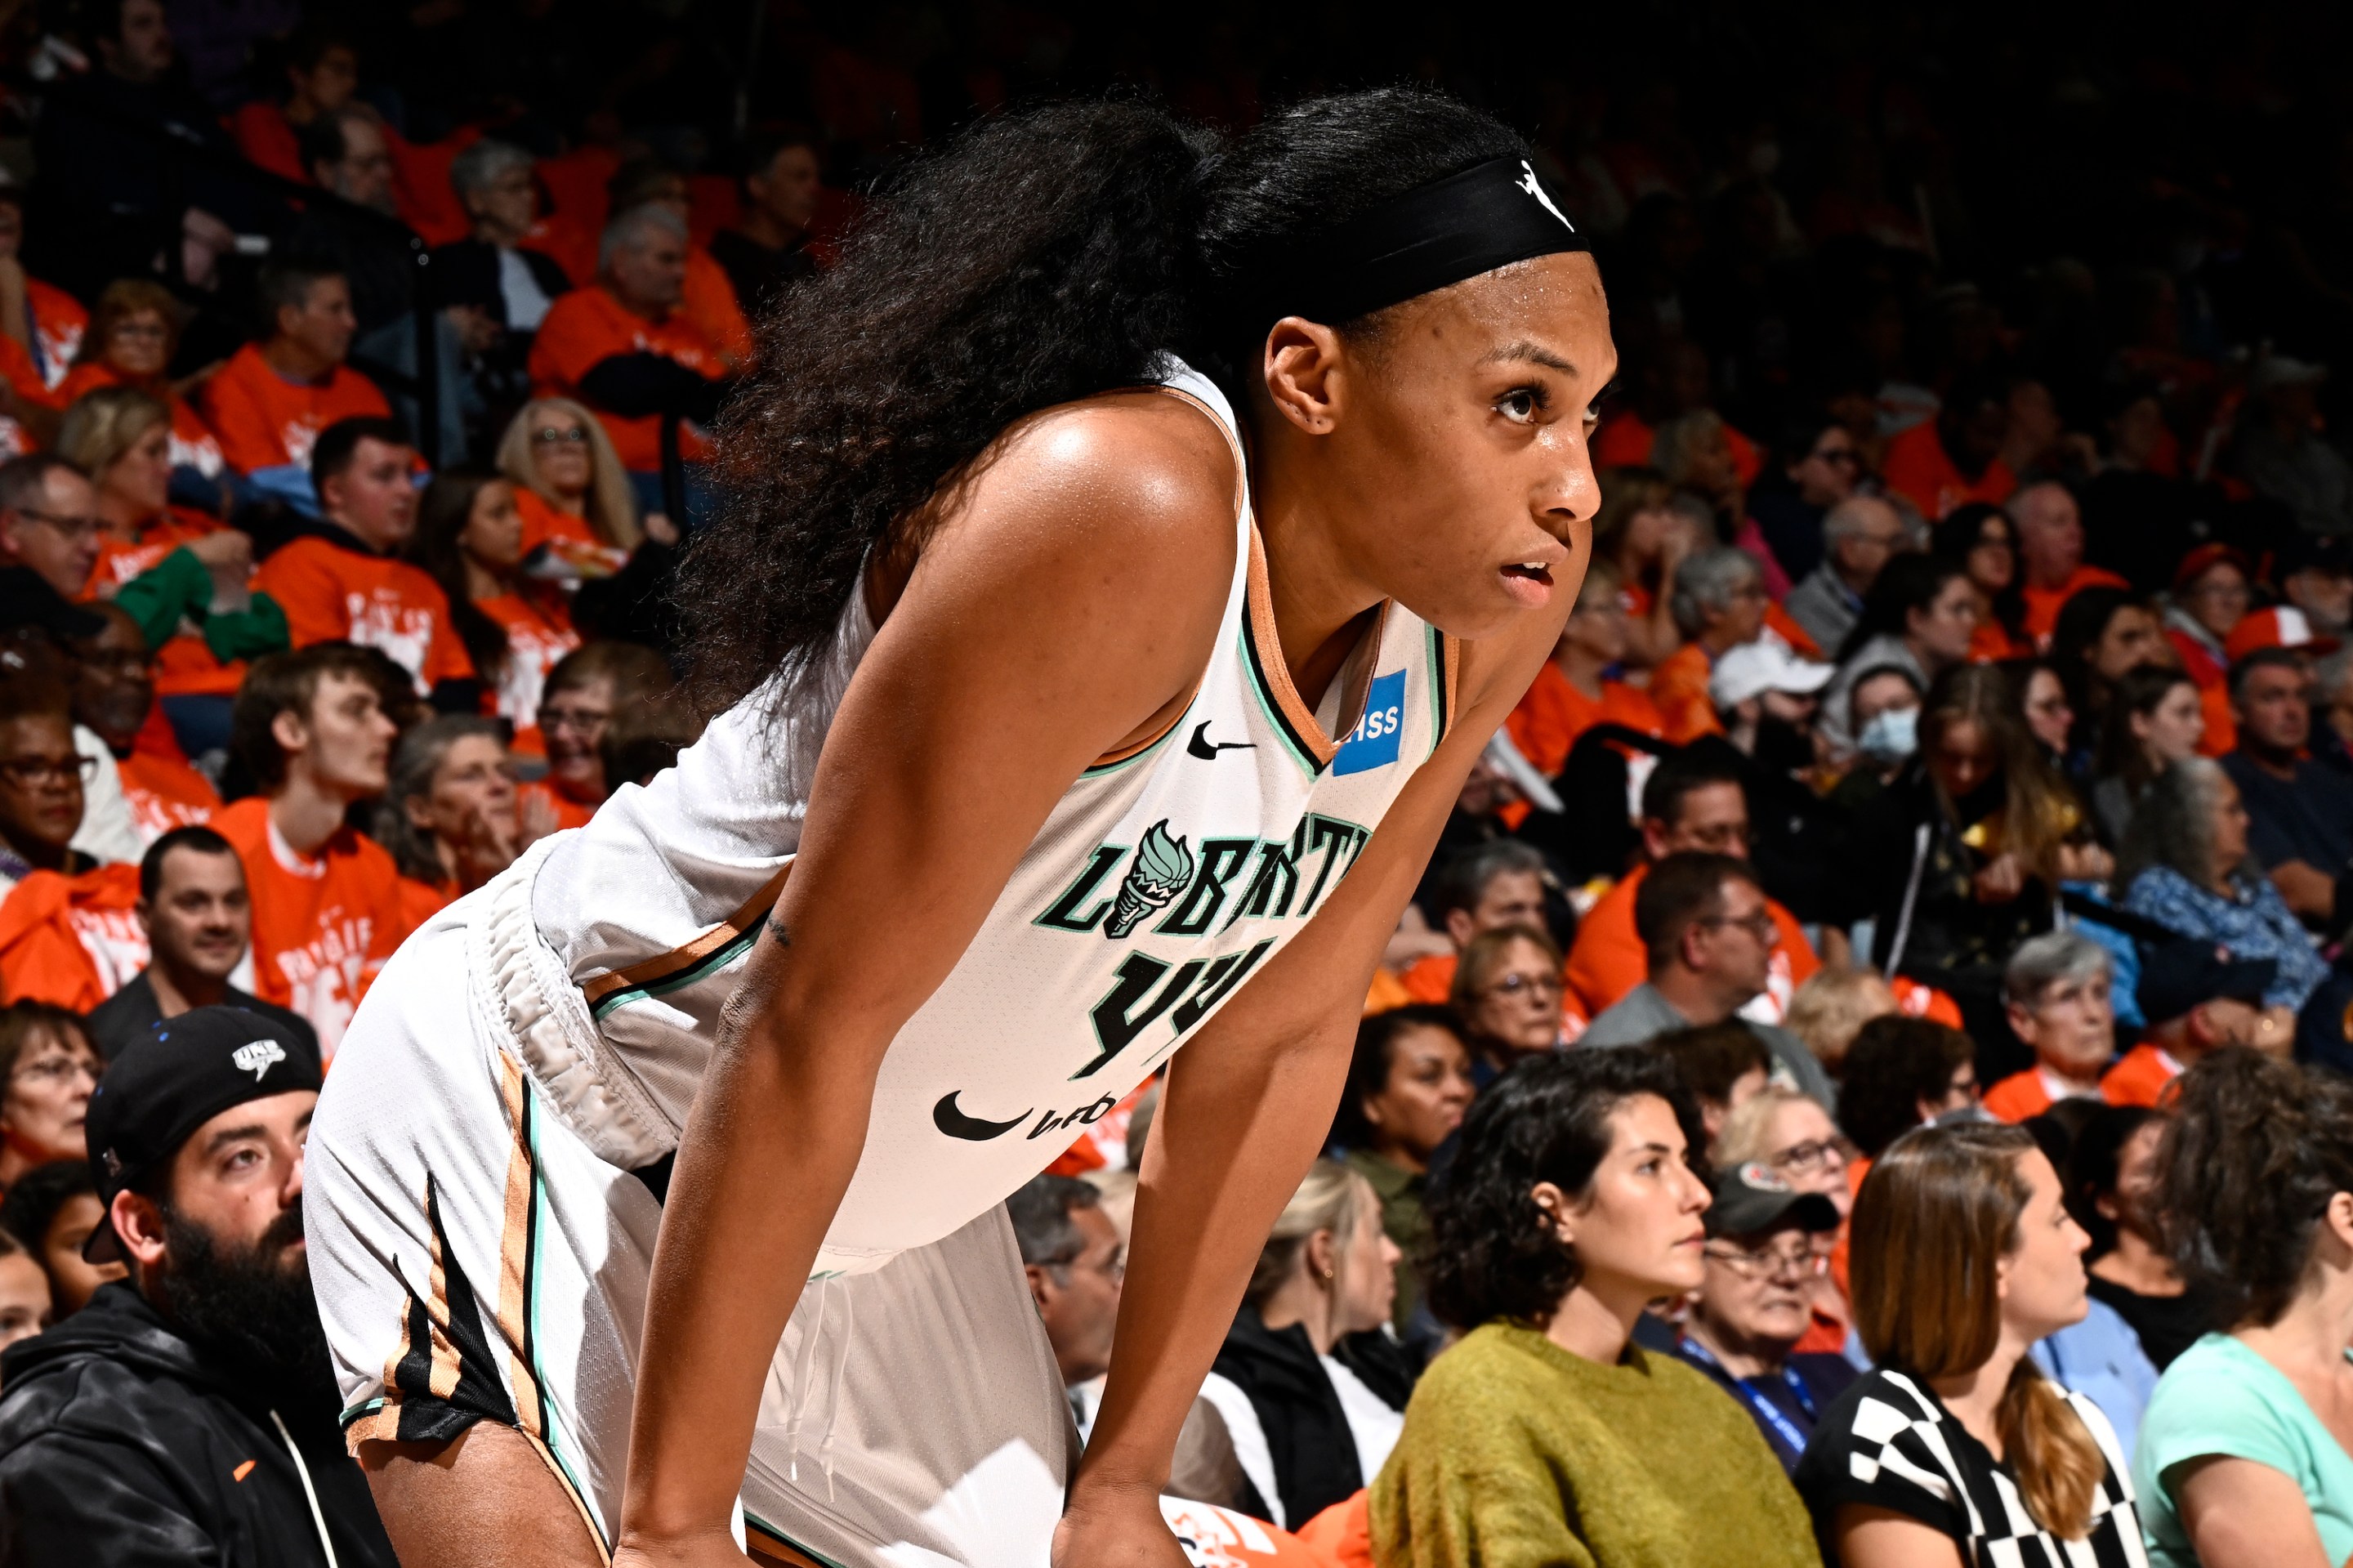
1092	706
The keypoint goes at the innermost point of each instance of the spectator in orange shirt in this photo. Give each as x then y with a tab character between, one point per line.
341	581
625	348
1484	888
326	901
449	817
44	321
1983	541
1570	694
198	920
42	777
323	72
515	629
270	402
130	342
1943	464
122	437
585	690
768	252
2051	556
114	697
571	493
1690	802
2056	994
1719	603
2197	999
707	299
1639	531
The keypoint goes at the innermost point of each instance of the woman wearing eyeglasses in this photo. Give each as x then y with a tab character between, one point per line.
1790	1137
133	333
51	1070
1767	1248
572	493
43	778
1508	991
1982	541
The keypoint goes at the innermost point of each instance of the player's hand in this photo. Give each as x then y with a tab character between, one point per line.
1123	1528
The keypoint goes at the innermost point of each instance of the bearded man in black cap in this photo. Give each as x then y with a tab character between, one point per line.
188	1413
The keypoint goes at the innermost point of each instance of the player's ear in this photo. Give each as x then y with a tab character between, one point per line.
1304	374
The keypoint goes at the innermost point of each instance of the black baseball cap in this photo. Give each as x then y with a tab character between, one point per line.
2304	552
1753	1198
162	1086
2177	976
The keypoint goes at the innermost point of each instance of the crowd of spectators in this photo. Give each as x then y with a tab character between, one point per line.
1923	863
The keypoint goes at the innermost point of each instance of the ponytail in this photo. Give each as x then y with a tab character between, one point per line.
2051	1451
1039	258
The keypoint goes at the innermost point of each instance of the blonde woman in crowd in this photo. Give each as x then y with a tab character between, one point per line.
571	491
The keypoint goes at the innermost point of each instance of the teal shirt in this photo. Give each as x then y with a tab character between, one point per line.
2221	1399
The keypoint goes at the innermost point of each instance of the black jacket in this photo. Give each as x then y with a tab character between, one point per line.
133	1010
120	1447
1306	1430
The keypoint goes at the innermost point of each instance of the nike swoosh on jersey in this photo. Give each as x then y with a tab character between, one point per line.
1200	745
971	1129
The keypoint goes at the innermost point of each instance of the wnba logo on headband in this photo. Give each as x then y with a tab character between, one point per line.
1471	222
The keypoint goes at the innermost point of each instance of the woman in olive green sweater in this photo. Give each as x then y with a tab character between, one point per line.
1546	1439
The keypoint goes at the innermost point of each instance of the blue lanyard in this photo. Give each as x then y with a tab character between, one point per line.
1766	1410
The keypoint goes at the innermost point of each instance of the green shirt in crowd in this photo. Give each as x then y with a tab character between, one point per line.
2220	1398
1403	1218
1517	1454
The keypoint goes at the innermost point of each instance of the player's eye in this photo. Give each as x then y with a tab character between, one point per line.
1521	405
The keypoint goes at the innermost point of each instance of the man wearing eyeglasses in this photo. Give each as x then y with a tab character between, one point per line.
1709	932
1859	536
1766	1244
48	523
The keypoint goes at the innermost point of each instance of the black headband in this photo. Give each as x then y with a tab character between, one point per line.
1489	215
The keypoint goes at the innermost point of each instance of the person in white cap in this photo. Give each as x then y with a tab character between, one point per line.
1766	697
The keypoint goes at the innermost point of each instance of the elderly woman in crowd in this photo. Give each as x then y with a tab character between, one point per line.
1408	1084
1768	1245
1507	993
133	334
2244	1458
1324	1387
582	693
1956	1448
2156	719
449	817
49	1069
2056	990
2184	866
1548	1435
1719	603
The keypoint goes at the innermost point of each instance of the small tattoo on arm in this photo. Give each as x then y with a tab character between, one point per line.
780	931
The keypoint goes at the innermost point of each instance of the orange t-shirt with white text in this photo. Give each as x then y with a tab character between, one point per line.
588	326
323	925
59	322
539	633
1608	961
264	420
1919	469
333	593
164	793
71	940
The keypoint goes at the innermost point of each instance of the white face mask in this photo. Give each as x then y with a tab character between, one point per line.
1893	735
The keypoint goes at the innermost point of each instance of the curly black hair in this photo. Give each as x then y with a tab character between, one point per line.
1040	258
2257	1149
1493	1253
1375	1053
1894	1064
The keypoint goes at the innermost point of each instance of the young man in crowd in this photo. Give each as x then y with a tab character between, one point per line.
626	348
767	253
325	901
1708	932
270	401
1485	888
1767	1243
2299	810
2056	990
1690	802
189	1412
198	919
114	699
343	581
2050	554
1859	534
2197	1000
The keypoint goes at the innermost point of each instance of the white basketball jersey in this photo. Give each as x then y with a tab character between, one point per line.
1162	881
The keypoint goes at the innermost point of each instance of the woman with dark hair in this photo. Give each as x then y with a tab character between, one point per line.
2041	696
1957	1448
1918	617
2246	1453
1639	531
1408	1084
1546	1435
2155	720
2101	633
2112	1182
469	537
1087	603
448	815
1982	541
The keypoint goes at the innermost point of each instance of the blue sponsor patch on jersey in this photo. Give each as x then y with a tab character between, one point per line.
1374	742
